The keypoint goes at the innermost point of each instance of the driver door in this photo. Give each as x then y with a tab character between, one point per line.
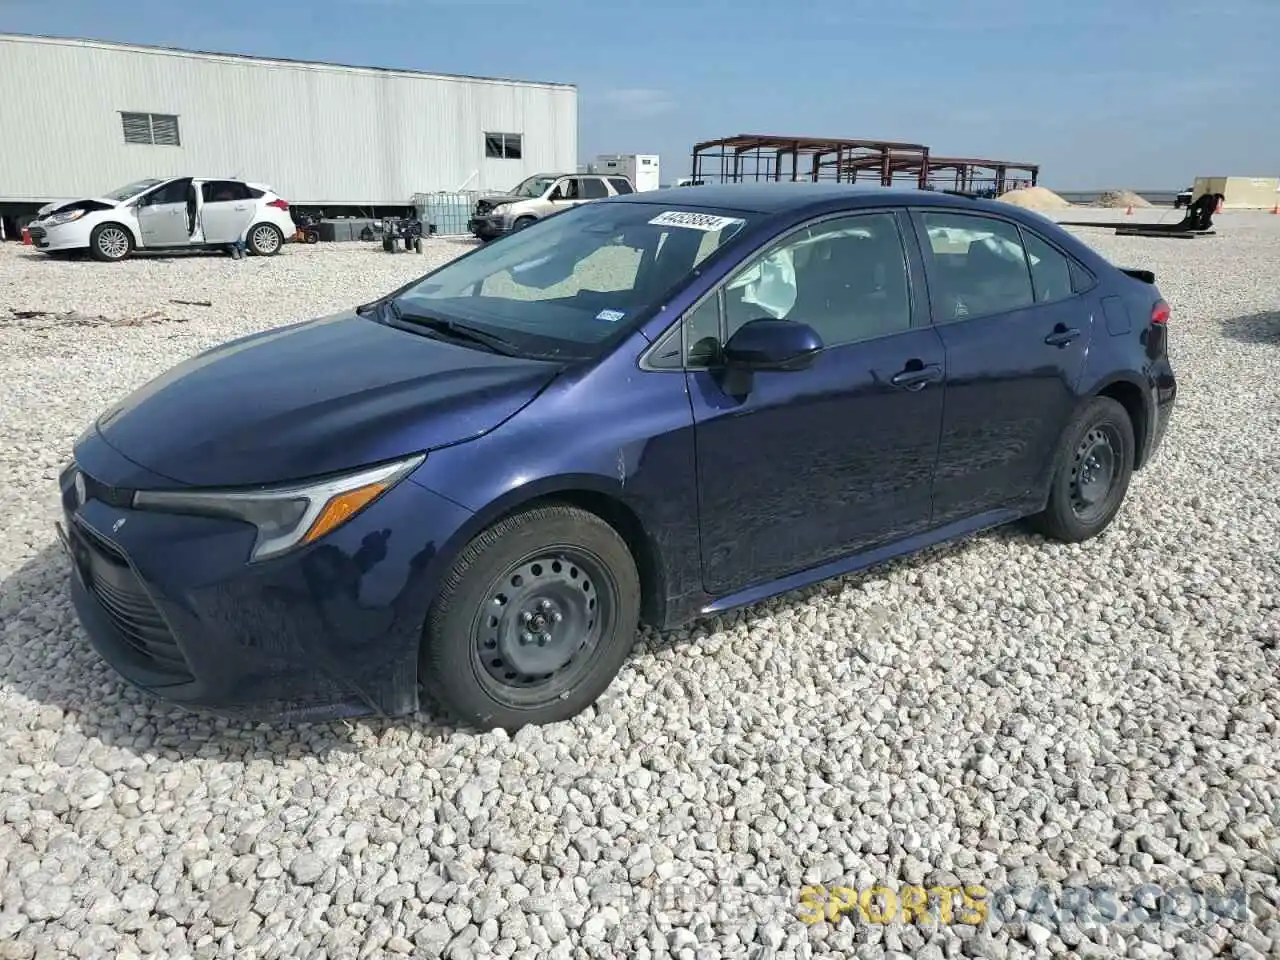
808	466
167	215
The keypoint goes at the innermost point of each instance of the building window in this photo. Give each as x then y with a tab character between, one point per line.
158	129
502	146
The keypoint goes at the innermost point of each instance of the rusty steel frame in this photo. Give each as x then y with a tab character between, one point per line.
968	174
755	156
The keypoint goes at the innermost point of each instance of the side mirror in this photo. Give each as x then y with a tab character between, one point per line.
769	344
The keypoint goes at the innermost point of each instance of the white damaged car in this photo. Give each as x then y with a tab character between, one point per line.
181	213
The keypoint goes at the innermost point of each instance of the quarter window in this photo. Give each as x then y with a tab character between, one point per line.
1050	270
979	266
847	278
503	146
621	185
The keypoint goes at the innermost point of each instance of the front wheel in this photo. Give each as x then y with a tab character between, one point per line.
534	620
522	223
265	240
110	242
1094	466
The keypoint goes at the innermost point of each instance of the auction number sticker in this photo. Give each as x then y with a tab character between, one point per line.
693	221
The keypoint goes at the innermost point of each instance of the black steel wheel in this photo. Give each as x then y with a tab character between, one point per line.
1094	466
534	621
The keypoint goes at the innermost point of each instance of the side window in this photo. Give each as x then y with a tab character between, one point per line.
593	188
979	266
620	185
175	192
846	278
1050	270
223	191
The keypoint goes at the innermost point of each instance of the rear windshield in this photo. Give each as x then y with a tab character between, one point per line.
563	286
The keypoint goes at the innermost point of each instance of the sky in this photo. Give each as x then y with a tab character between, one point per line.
1136	94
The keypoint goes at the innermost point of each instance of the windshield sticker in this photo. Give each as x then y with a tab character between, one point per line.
610	316
693	221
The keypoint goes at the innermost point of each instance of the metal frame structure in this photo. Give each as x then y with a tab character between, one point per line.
759	156
966	174
755	156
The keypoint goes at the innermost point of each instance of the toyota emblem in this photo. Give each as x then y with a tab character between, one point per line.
80	491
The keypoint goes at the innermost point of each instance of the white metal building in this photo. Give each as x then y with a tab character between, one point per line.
79	117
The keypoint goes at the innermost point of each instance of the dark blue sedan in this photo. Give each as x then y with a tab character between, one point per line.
651	408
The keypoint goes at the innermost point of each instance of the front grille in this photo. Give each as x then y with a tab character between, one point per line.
36	233
121	595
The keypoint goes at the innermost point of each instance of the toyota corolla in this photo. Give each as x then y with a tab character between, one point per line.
654	407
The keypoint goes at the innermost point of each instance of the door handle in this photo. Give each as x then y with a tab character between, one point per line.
1061	336
917	376
241	207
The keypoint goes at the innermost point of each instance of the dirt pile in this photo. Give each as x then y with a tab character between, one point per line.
1035	198
1121	200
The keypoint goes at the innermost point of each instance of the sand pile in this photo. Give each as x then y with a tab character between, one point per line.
1035	198
1121	199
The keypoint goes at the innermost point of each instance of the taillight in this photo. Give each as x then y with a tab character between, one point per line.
1160	313
278	204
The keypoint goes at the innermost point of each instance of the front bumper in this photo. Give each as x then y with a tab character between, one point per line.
171	603
488	227
62	237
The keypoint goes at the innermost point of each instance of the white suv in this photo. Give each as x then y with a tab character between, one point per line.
185	212
540	196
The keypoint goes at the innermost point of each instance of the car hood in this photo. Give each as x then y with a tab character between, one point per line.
94	203
315	398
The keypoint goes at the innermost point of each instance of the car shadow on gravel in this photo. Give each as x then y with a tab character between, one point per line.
46	658
1254	328
1018	532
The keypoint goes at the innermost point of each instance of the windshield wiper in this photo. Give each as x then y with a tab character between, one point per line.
455	330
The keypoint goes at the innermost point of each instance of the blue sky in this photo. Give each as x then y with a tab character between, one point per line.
1095	90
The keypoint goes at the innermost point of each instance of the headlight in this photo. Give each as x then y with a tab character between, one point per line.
66	216
286	517
501	210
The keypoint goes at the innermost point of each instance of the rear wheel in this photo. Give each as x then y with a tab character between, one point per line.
534	620
110	242
265	239
1095	465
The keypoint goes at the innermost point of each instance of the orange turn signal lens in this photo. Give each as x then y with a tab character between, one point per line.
342	508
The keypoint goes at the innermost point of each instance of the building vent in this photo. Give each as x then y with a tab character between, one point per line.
157	129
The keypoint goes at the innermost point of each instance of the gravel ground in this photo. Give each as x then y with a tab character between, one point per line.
1004	712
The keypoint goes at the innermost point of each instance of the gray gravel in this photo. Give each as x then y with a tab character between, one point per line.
1005	712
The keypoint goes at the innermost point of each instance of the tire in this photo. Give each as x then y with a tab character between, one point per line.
522	222
417	244
110	242
565	596
1099	442
265	239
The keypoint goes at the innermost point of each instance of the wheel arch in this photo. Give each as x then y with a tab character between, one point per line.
597	496
1135	399
133	229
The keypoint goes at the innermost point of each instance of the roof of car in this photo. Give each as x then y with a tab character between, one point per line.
787	196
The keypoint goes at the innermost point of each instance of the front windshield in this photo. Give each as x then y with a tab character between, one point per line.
563	286
131	190
534	186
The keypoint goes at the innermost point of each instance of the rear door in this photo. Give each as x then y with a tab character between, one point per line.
812	465
167	215
1016	332
226	210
